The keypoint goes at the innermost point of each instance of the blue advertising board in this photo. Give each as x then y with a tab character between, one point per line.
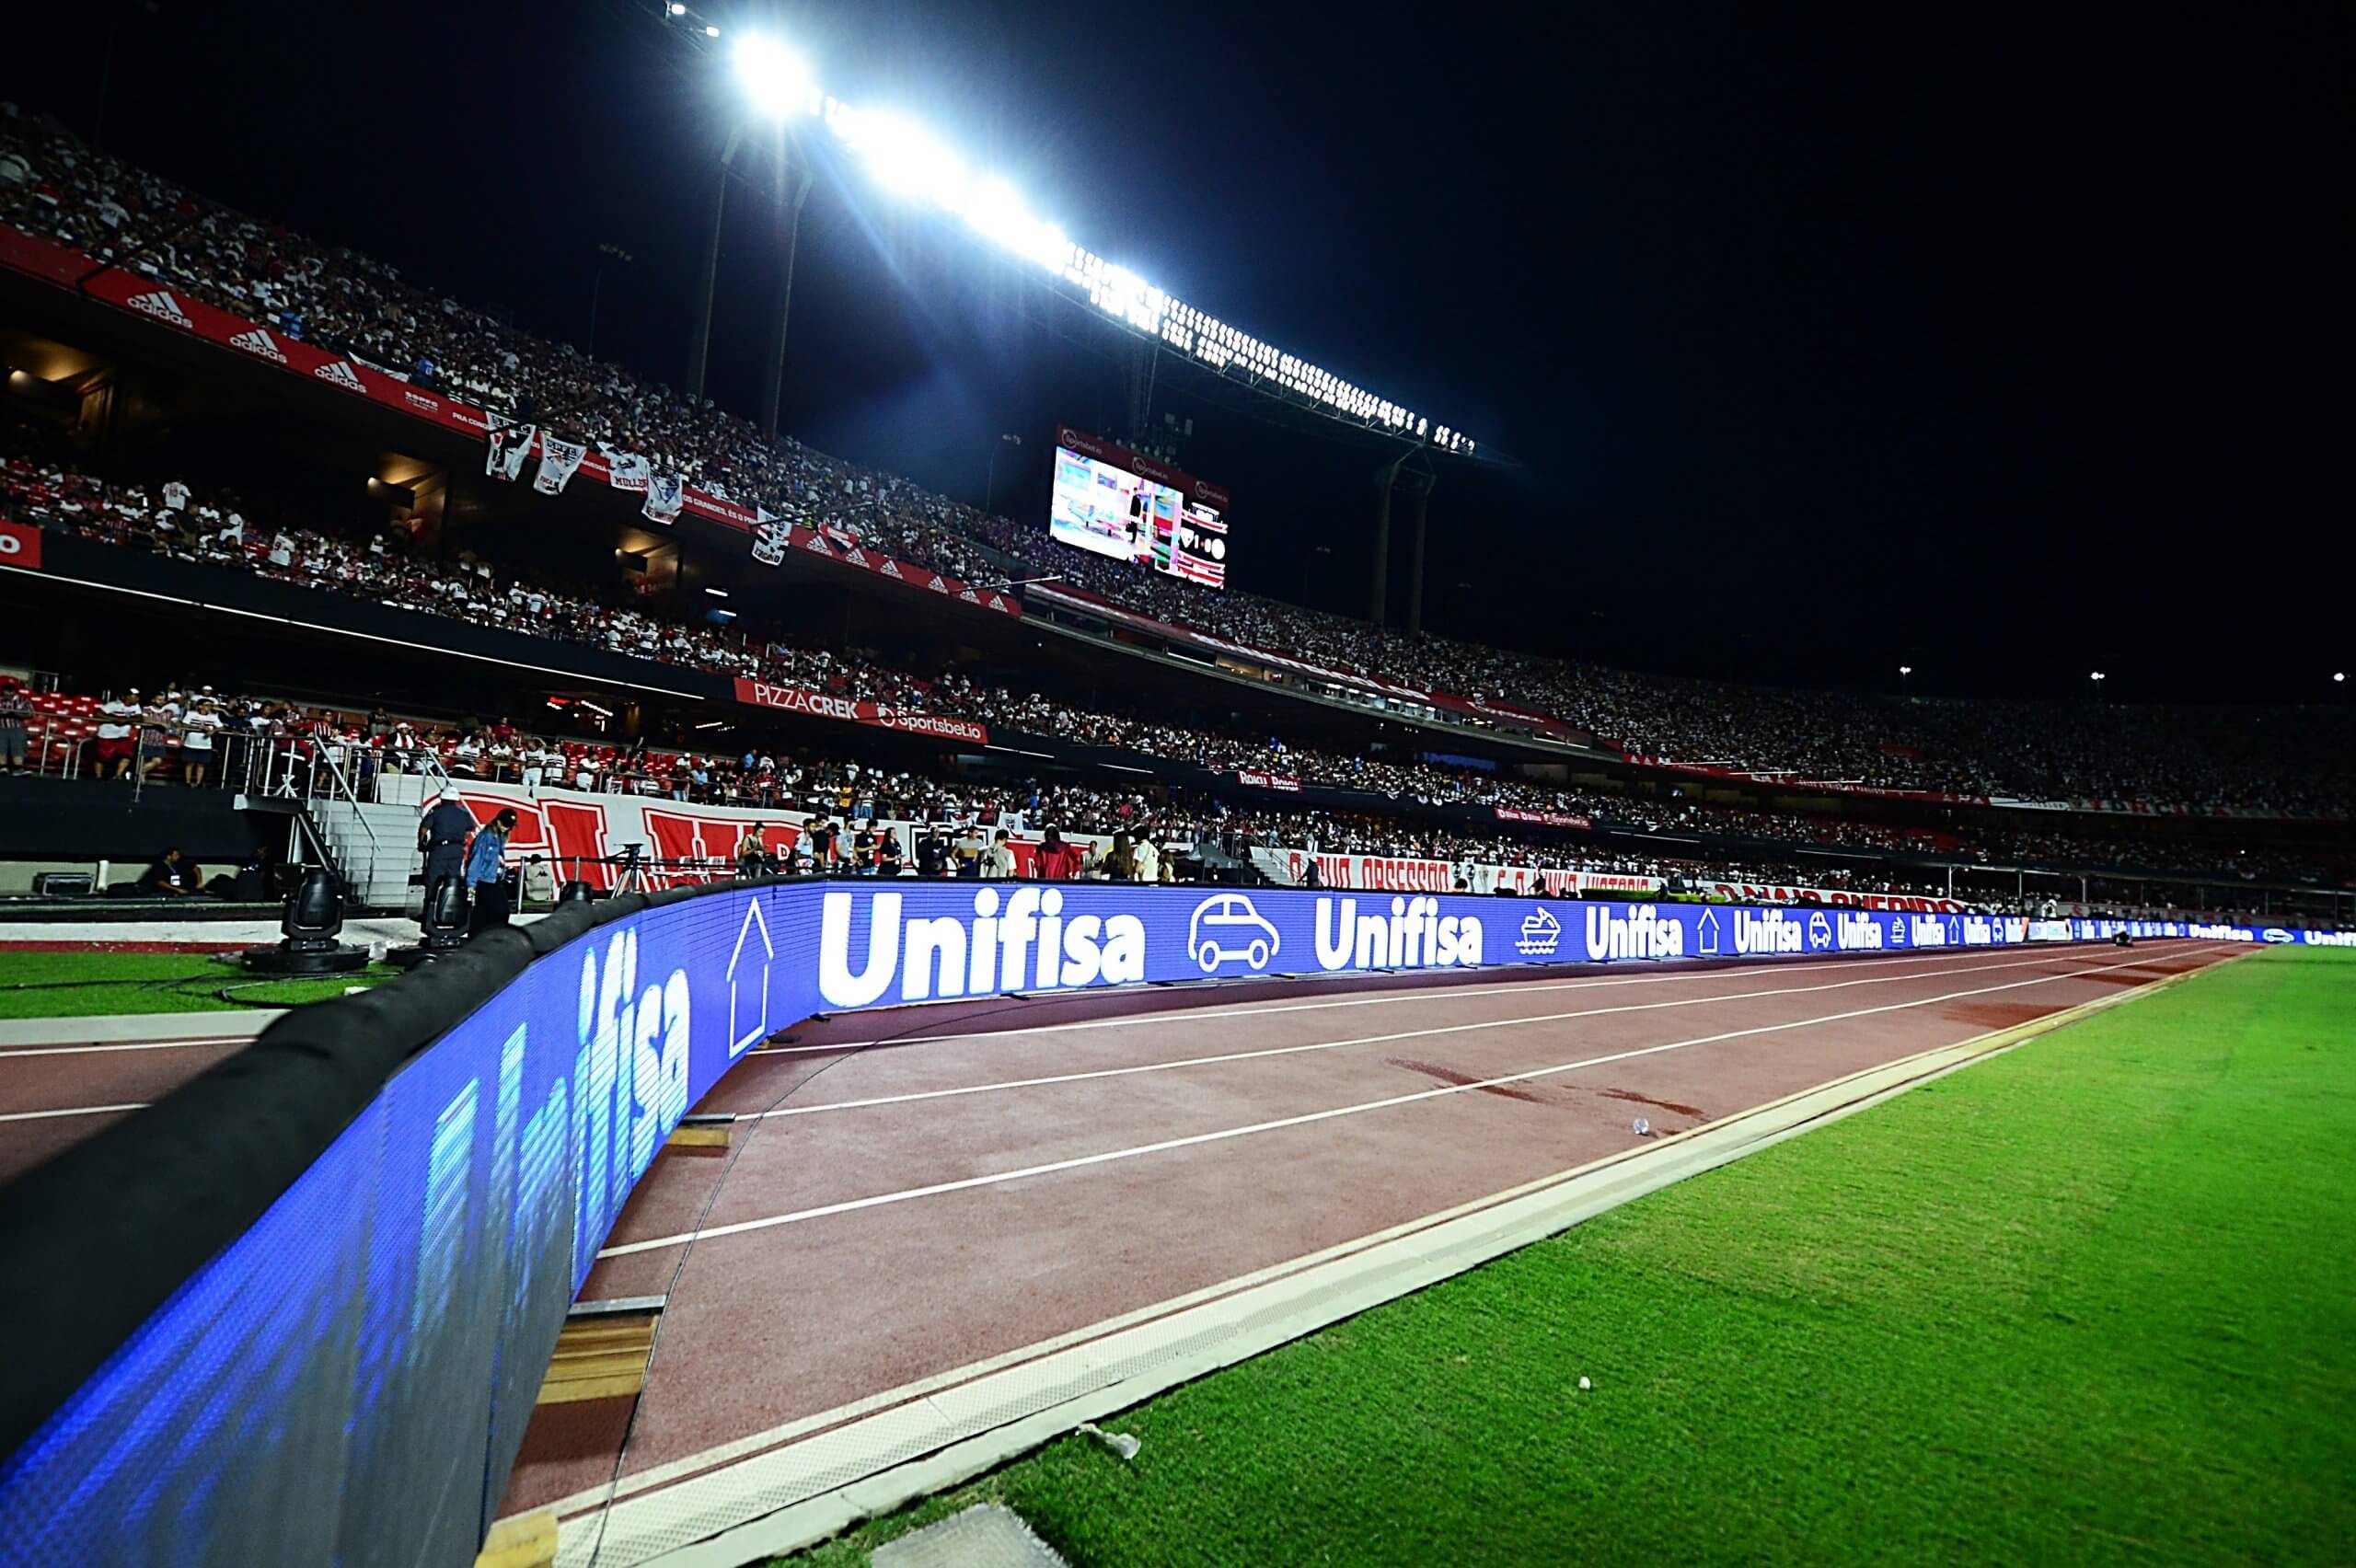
350	1379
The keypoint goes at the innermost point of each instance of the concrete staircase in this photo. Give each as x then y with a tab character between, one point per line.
374	846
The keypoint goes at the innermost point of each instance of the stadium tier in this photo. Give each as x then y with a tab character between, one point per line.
392	568
346	309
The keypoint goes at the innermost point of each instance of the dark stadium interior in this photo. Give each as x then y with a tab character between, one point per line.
1818	534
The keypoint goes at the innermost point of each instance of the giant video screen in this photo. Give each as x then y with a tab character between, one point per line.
1112	502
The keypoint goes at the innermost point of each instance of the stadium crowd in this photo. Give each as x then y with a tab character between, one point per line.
390	567
2276	762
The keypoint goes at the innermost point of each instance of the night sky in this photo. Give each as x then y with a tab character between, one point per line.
2014	344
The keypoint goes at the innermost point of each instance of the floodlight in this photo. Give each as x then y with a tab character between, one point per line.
774	77
678	9
905	157
711	32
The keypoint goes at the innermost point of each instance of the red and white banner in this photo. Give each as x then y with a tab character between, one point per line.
1793	782
1382	873
1283	783
1543	819
179	308
578	832
845	551
878	715
1393	873
1090	604
20	545
1846	898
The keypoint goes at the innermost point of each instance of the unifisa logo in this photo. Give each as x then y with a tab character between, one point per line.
1414	935
1641	931
627	1090
630	1078
1020	941
1768	931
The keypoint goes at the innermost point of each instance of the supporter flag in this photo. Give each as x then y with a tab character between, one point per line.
508	445
768	537
664	493
558	460
628	470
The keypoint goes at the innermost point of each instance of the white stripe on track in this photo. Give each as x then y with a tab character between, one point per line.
240	1041
968	1184
1386	998
914	1095
68	1111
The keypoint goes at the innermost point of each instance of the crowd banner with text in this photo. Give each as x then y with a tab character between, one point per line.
1399	874
850	710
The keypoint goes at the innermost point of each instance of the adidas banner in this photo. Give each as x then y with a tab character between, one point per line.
558	461
626	470
508	445
664	493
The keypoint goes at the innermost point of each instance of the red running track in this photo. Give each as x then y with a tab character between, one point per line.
53	1096
924	1188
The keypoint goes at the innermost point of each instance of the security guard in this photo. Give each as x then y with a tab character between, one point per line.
443	836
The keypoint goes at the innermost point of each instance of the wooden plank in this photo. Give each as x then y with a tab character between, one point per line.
621	1385
609	1364
699	1138
599	1356
520	1540
627	1331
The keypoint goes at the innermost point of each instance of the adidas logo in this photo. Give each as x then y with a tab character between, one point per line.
856	555
160	305
970	597
938	586
997	604
341	375
258	343
818	543
890	568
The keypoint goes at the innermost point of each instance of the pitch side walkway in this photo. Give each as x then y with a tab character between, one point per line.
918	1191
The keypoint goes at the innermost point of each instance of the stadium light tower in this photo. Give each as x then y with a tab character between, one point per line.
905	159
1903	671
778	88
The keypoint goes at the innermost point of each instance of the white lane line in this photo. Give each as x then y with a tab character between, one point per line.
238	1040
1107	1157
69	1110
1263	1054
1388	999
